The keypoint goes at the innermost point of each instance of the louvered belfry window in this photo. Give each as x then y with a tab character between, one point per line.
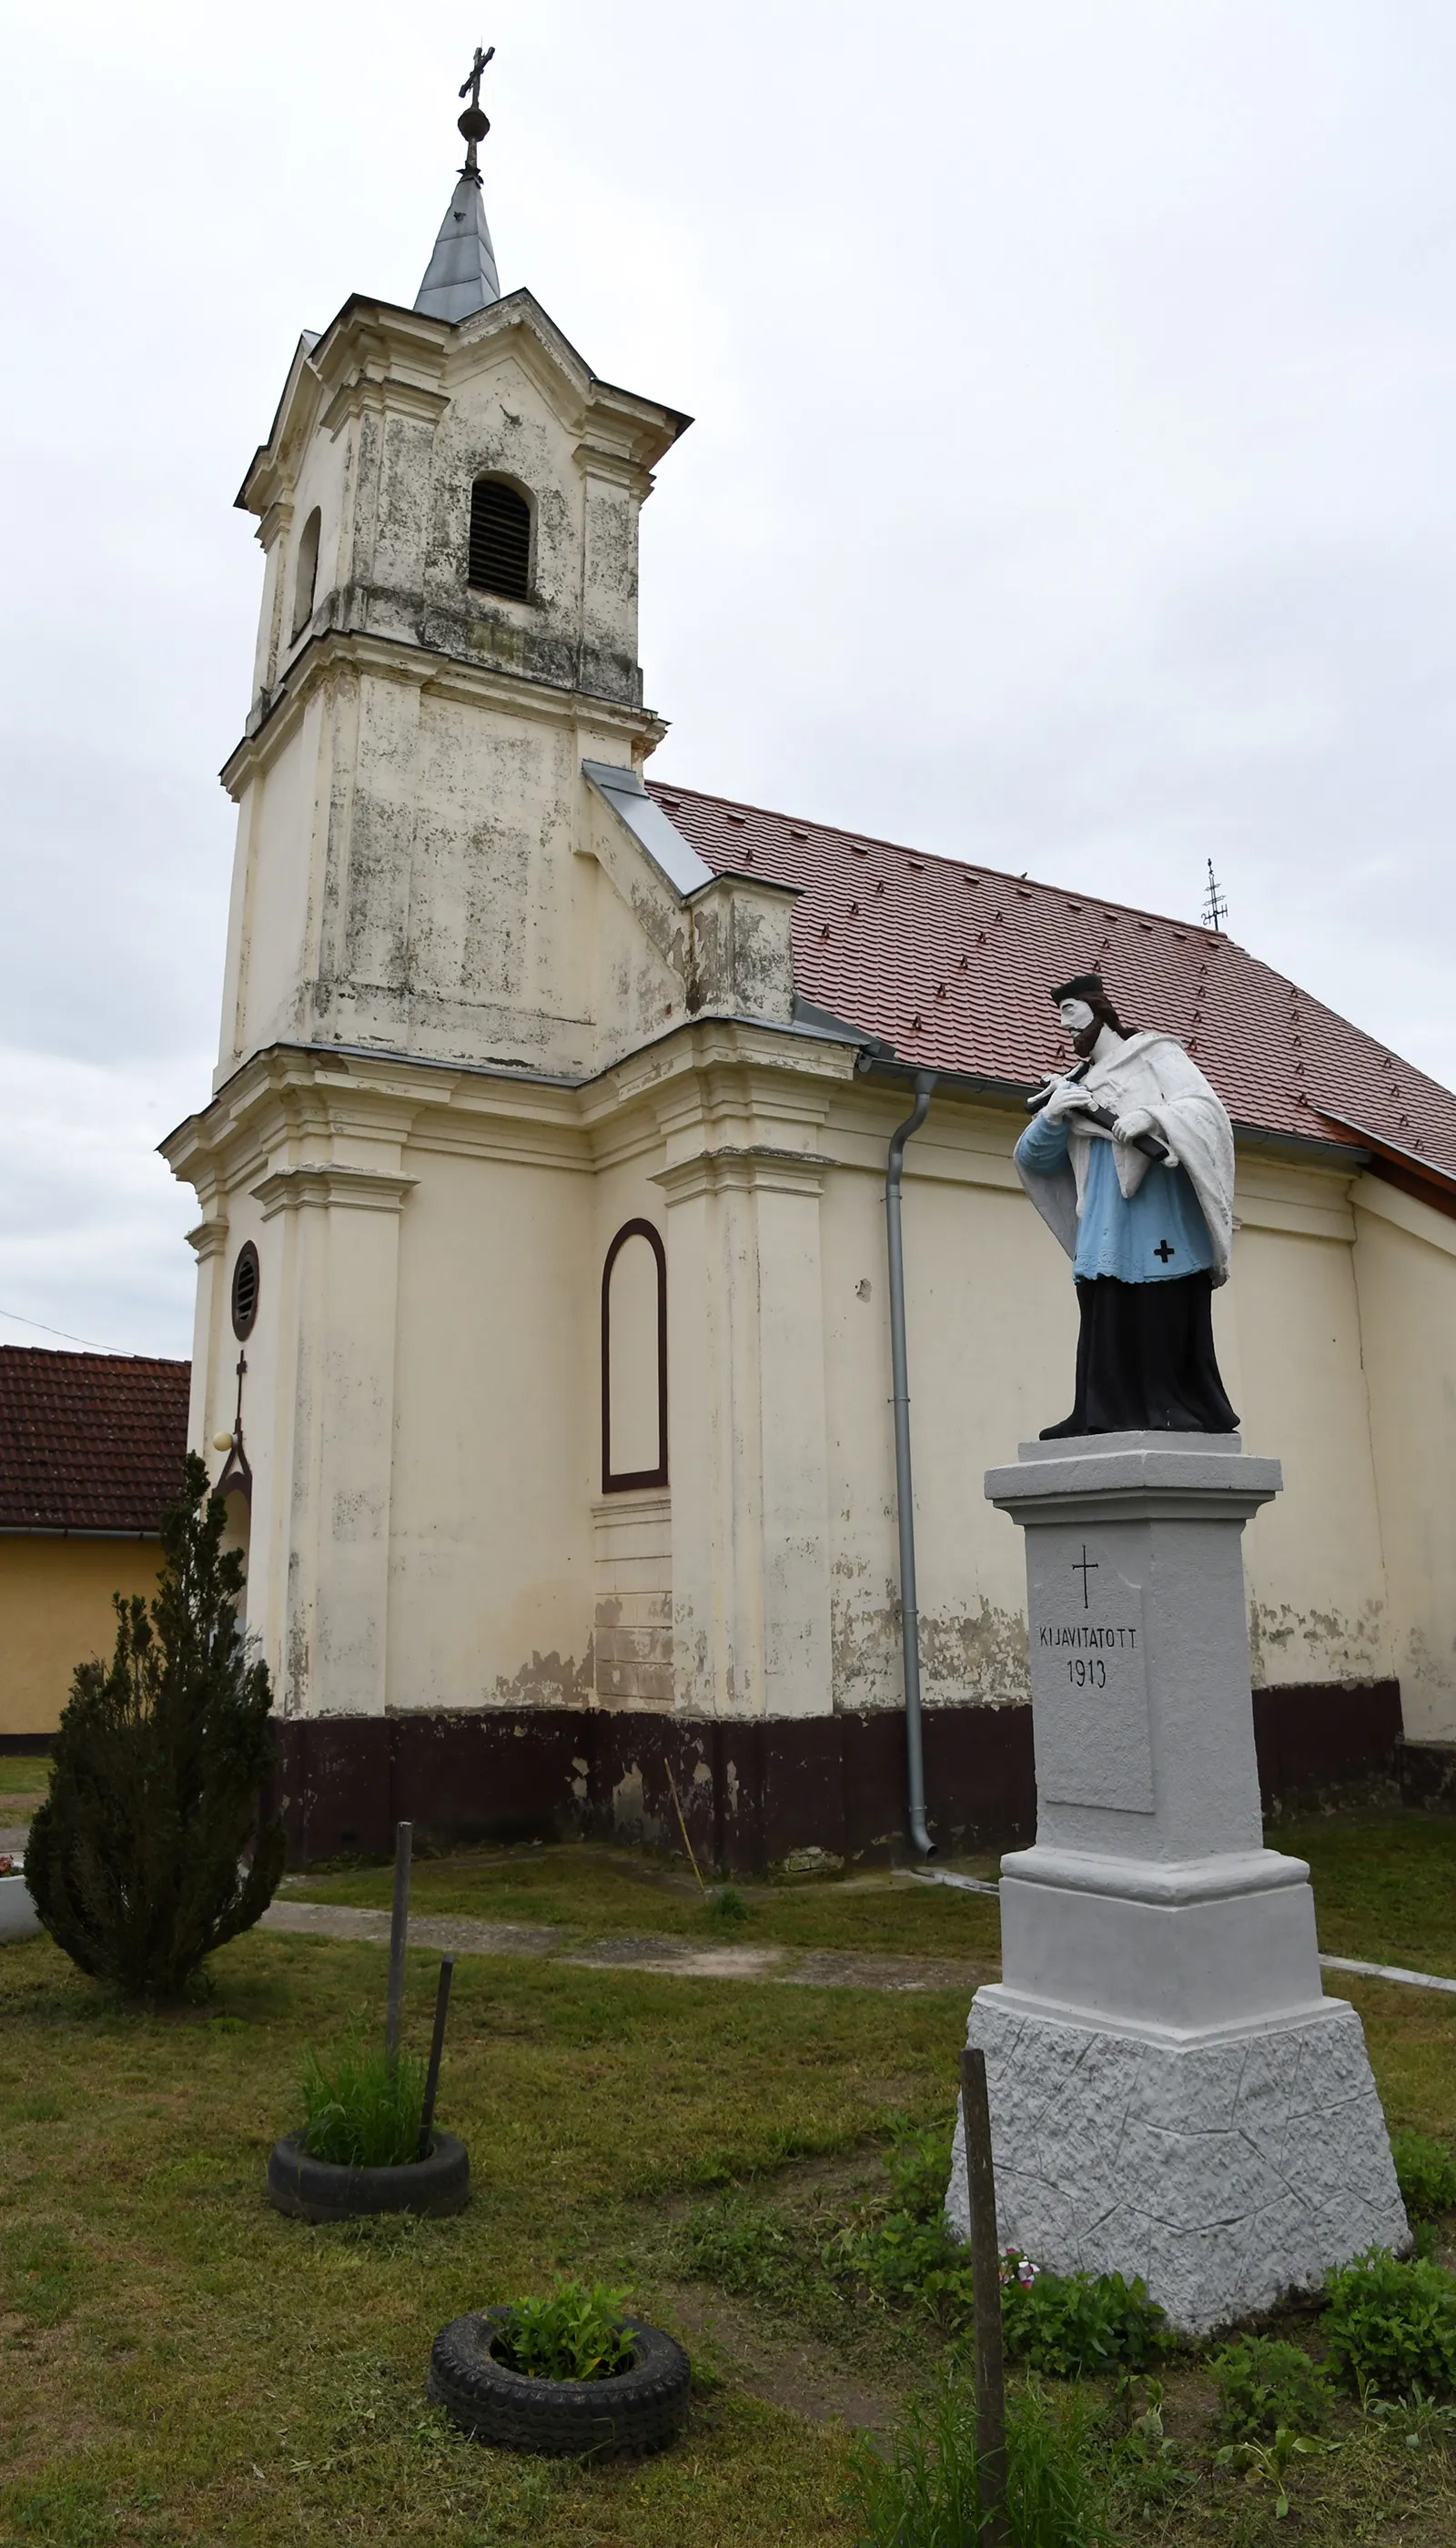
499	539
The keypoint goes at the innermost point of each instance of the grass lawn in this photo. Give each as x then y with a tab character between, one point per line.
24	1773
179	2364
1385	1888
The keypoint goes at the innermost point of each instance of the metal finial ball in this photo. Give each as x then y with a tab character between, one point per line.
474	124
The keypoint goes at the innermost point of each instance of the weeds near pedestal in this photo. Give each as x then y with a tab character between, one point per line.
1266	2386
928	2496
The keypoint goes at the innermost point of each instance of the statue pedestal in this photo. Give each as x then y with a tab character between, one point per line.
1171	2093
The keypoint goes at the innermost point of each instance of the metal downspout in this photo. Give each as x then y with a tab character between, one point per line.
925	1081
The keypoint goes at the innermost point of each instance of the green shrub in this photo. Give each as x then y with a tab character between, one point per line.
927	2494
1071	2325
1426	2174
1264	2384
727	1905
1390	2326
157	1776
362	2110
575	2334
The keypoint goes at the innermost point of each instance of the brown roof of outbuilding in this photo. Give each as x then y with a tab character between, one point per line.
90	1443
953	966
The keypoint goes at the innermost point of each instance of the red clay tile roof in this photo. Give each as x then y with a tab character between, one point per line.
89	1442
951	964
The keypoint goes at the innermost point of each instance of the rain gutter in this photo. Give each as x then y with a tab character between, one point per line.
924	1082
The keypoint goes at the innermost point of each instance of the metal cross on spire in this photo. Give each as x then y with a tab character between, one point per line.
1215	908
461	276
475	124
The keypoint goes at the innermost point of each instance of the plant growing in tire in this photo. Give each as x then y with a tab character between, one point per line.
570	2374
368	2142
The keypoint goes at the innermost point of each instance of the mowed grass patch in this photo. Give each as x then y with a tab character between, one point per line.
581	1890
24	1773
1384	1885
181	2363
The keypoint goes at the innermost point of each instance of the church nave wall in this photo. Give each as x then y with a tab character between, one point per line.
1405	1262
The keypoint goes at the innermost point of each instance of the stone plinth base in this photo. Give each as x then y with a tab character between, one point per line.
1226	2170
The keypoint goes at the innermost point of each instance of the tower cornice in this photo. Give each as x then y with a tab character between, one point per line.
343	654
415	363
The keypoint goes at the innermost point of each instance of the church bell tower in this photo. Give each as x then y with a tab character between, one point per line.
439	899
448	503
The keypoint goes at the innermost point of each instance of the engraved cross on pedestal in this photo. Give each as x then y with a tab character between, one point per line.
1086	1566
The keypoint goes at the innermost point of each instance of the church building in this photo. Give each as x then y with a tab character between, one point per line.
543	1331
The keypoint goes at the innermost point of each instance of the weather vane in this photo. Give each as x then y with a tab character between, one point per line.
473	123
1215	908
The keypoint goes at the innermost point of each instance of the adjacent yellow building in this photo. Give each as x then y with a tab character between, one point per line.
91	1448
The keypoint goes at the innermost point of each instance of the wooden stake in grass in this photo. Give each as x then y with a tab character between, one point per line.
985	2269
436	2048
399	1926
682	1827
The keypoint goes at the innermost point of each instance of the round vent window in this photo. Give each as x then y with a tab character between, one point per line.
245	1291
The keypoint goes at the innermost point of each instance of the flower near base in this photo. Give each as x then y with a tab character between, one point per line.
8	1864
1017	2268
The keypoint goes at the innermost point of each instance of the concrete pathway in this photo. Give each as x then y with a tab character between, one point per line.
1386	1973
819	1968
823	1968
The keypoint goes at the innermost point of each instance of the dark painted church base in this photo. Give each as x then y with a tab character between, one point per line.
750	1793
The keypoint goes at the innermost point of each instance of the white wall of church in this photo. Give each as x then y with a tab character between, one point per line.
491	1550
1312	1560
1405	1262
991	1333
431	1527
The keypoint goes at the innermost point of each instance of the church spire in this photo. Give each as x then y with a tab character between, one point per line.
461	276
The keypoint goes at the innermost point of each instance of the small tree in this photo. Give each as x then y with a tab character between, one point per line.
156	1786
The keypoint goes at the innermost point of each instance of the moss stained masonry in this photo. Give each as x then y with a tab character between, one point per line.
483	1009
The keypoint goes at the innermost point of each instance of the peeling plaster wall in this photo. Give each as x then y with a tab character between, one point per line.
1313	1561
1405	1262
986	1311
491	1553
992	1326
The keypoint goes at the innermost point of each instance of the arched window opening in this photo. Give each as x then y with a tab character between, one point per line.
499	539
304	576
634	1361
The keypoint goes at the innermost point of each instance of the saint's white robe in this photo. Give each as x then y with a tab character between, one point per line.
1154	1073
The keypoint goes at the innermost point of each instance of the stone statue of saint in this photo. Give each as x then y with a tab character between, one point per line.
1130	1163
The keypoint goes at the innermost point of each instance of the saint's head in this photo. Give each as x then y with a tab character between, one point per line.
1085	1009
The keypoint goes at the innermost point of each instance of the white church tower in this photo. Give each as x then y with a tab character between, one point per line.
454	910
448	504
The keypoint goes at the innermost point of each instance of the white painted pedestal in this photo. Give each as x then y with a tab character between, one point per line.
1171	2093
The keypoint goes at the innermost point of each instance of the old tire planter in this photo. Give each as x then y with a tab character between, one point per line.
315	2189
638	2409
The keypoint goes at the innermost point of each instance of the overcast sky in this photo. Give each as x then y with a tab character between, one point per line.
1070	486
